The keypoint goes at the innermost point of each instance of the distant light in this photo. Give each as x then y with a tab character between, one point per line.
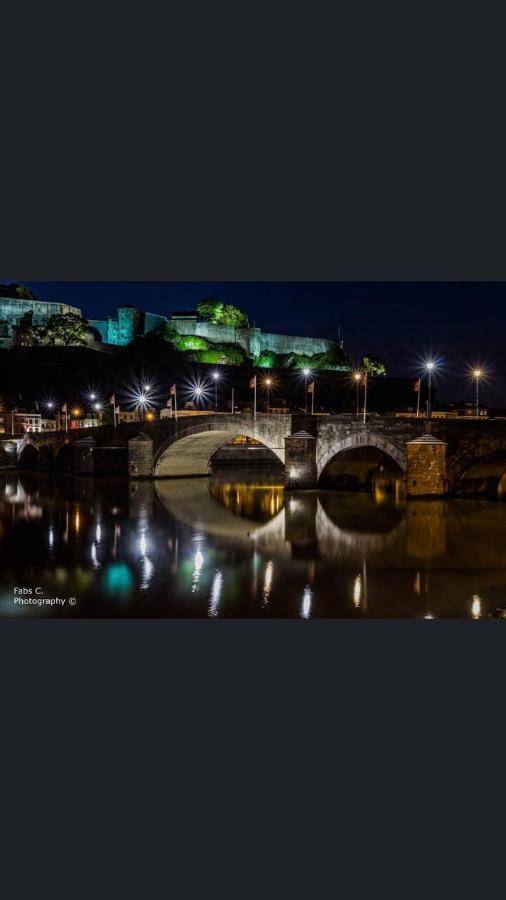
93	396
306	602
214	600
142	544
147	388
357	590
150	416
357	376
76	412
477	373
306	371
216	375
268	382
429	616
97	406
198	391
430	366
476	607
50	404
142	398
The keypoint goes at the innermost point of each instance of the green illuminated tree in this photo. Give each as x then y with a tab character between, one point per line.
210	310
69	328
374	365
234	316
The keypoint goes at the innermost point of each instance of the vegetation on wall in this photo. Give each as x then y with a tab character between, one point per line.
334	359
219	313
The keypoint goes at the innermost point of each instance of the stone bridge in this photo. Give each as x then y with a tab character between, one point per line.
436	457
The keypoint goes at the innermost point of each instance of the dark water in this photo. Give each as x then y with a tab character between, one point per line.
236	546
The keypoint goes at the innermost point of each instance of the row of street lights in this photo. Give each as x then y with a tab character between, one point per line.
142	396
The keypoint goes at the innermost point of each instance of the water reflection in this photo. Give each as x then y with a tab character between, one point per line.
241	548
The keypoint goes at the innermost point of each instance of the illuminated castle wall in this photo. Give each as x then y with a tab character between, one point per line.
15	312
129	324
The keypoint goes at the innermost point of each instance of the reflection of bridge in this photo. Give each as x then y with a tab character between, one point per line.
305	444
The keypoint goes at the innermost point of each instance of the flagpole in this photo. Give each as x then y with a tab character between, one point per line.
418	401
175	403
255	400
365	399
233	409
312	401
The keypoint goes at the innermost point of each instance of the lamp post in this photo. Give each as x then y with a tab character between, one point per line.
97	407
430	368
477	373
198	395
306	376
216	377
358	377
268	382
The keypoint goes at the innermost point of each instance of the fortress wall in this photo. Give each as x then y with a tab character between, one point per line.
13	310
286	343
152	320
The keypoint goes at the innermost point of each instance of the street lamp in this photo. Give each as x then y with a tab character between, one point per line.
430	368
358	378
198	394
268	382
216	377
477	373
97	407
306	376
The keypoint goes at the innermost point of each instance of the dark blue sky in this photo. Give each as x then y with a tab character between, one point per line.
462	323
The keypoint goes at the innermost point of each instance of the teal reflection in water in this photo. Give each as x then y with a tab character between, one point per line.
118	580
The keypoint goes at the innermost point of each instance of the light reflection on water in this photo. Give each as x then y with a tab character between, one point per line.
231	547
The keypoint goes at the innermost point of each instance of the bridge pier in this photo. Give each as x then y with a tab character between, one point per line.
300	461
426	467
140	457
83	461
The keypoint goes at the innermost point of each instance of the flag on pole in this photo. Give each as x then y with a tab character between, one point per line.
310	387
64	408
253	382
117	410
417	386
173	390
169	403
112	401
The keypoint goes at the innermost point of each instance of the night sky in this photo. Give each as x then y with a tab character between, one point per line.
461	324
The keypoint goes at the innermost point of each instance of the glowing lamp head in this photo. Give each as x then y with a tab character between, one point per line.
429	366
76	412
198	391
50	404
97	406
306	372
216	375
93	396
357	376
268	382
477	373
150	416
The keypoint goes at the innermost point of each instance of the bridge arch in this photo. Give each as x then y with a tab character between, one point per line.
189	452
357	441
28	455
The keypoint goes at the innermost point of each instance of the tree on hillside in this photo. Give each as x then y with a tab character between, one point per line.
374	365
17	292
210	309
219	313
234	316
69	328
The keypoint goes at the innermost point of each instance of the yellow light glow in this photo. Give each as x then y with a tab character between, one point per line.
150	416
76	412
476	607
477	373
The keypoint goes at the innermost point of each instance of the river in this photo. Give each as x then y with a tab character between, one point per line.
235	545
